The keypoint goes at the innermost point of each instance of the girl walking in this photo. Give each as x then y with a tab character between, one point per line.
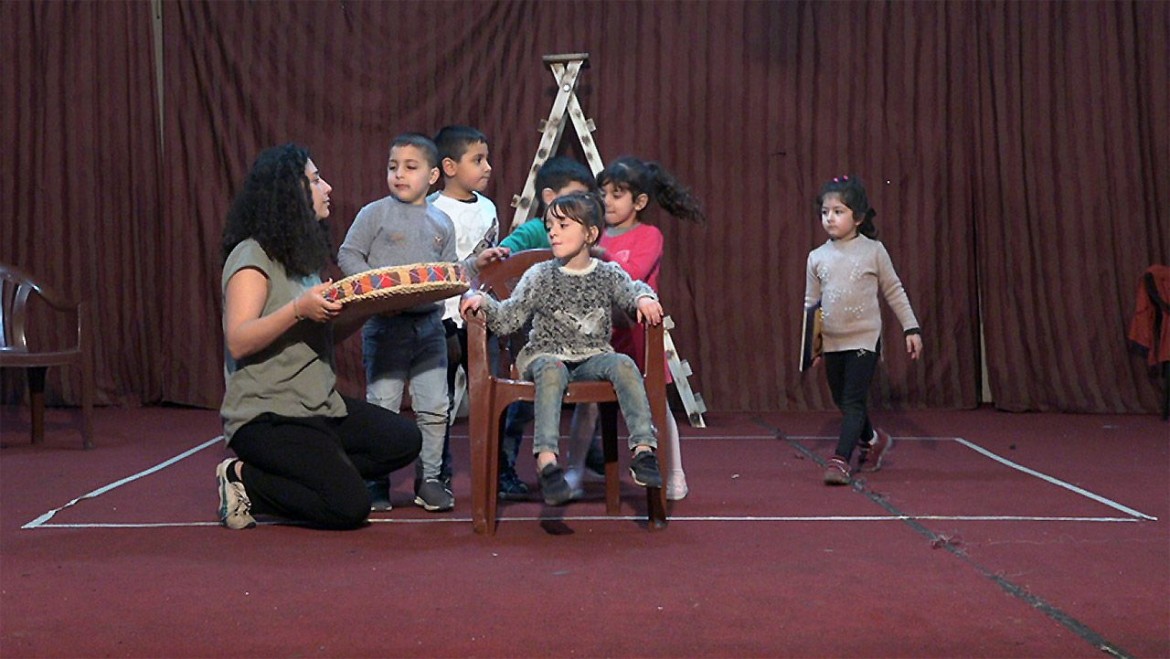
845	276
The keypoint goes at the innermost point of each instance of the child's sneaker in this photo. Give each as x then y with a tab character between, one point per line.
379	490
644	469
676	486
873	453
836	471
575	478
511	487
553	486
433	496
235	510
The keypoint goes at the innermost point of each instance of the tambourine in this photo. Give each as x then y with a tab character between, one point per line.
397	288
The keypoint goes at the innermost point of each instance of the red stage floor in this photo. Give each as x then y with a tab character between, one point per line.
987	534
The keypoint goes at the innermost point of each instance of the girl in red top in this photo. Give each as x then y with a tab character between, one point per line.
628	186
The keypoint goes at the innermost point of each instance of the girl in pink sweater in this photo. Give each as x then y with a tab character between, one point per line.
845	275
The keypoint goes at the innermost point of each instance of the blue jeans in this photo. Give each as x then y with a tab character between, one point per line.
410	348
552	376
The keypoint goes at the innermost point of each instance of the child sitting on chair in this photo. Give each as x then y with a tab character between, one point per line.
570	301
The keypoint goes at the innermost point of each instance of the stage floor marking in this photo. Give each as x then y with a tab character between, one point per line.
44	521
1013	465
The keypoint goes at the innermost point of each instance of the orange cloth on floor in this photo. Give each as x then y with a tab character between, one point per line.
1145	319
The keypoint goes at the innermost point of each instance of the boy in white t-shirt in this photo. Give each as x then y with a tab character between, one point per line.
463	161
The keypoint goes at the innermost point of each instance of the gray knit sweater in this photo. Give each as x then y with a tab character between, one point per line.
845	276
571	310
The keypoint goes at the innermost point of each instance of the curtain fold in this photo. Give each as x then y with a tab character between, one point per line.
81	182
1017	154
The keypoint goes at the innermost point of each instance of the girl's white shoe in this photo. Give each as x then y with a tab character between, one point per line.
676	486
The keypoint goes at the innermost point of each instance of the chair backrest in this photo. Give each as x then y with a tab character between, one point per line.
16	287
499	278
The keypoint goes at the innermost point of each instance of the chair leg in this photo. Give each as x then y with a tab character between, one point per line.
609	443
478	480
656	505
485	479
492	470
36	402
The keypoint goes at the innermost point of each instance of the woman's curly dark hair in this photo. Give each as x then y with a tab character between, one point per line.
275	207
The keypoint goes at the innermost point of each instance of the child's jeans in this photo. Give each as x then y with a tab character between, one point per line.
410	347
552	376
849	373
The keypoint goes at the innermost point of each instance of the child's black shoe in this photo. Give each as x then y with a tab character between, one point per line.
644	469
553	486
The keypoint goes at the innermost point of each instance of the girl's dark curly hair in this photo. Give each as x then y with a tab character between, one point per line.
852	193
275	207
585	208
649	178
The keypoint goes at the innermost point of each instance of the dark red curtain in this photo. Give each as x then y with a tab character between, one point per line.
1072	117
81	183
1016	153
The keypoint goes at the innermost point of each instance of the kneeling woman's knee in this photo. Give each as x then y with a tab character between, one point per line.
348	509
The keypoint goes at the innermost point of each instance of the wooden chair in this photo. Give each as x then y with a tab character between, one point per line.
16	287
491	395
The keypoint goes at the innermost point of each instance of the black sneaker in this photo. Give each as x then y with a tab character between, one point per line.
511	487
433	497
553	486
379	490
644	469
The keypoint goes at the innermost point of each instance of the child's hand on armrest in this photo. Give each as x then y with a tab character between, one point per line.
470	303
649	311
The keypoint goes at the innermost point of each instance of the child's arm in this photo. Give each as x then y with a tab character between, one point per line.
812	291
812	283
489	255
530	235
895	294
635	297
649	311
509	315
353	256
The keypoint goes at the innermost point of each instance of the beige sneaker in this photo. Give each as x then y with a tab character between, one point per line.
876	450
235	510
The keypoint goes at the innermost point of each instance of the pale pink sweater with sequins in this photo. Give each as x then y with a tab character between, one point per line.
846	276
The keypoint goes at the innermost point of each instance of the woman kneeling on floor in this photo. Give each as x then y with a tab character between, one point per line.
305	451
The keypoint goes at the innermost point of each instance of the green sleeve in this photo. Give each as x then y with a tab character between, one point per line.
530	235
